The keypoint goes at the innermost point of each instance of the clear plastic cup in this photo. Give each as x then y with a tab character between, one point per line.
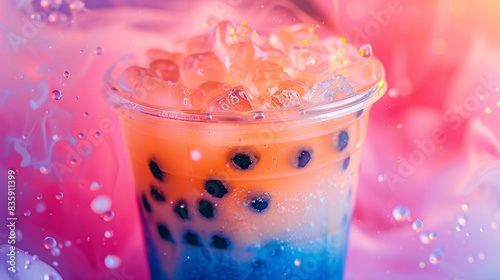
248	195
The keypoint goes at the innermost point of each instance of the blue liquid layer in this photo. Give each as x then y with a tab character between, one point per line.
320	258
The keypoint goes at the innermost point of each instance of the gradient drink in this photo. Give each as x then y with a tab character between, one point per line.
245	150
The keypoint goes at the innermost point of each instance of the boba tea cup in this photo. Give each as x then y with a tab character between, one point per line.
246	150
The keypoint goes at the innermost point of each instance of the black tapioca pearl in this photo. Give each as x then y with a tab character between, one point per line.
181	209
346	162
164	233
359	113
220	242
303	158
259	203
155	170
216	188
206	208
244	160
343	140
157	194
146	204
258	263
192	238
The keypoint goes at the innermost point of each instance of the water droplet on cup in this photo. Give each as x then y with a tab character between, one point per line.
39	196
98	51
59	195
366	50
100	204
97	134
108	234
56	94
66	74
400	213
49	242
417	225
297	262
36	17
27	213
112	261
108	216
95	186
55	252
77	5
259	116
436	256
462	220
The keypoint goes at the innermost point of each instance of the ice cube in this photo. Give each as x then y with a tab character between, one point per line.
310	63
156	92
235	100
263	77
201	95
335	88
268	53
165	69
363	74
202	67
200	44
297	35
131	76
230	33
286	98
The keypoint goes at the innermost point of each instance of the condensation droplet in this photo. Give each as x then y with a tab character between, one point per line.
112	261
86	114
97	134
98	51
421	264
39	196
297	262
108	216
400	213
77	5
100	204
36	17
417	225
81	135
55	251
462	220
470	259
94	186
259	116
68	243
108	234
465	207
481	256
55	263
459	228
56	94
366	50
381	178
487	110
59	195
66	74
427	237
27	213
302	112
49	242
436	256
195	155
50	276
44	170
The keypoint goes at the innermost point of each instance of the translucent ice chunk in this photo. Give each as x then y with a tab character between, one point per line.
201	95
335	88
296	35
311	63
286	98
262	78
363	74
230	33
165	69
157	92
268	53
131	76
202	67
200	44
154	54
235	100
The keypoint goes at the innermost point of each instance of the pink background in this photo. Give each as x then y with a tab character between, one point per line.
433	144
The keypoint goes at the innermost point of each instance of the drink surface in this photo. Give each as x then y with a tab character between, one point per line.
246	151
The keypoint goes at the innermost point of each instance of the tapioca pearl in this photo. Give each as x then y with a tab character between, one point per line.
181	209
145	203
244	160
359	113
157	194
192	238
164	233
206	208
303	158
220	242
346	162
259	203
155	170
342	140
216	188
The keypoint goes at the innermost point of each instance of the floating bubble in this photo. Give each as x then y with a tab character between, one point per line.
297	262
259	116
59	195
77	5
459	228
417	225
55	252
50	276
400	213
99	51
108	216
67	243
108	234
436	256
97	134
421	264
56	94
100	204
39	196
55	263
66	74
27	213
427	237
95	186
465	207
49	242
195	155
112	261
381	178
462	220
36	17
366	50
